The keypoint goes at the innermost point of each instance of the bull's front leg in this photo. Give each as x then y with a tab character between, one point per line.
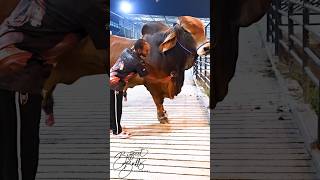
47	95
161	113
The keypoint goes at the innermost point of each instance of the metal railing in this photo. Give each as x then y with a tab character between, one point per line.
294	28
201	69
122	26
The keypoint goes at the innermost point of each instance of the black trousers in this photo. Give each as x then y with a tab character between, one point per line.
19	135
115	111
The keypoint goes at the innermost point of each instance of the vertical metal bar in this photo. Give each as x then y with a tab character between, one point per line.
200	66
319	112
195	67
268	26
277	22
272	22
205	66
305	43
306	21
290	25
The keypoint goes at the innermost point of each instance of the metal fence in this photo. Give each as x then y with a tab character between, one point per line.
294	28
124	27
201	69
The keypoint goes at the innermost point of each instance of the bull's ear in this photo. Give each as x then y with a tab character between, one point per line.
169	42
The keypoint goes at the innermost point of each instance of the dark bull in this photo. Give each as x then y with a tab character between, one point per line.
228	17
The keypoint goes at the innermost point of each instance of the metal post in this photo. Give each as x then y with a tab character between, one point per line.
305	43
197	67
268	26
205	66
200	66
290	25
272	17
277	30
318	113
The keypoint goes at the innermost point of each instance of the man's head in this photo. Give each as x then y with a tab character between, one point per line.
142	47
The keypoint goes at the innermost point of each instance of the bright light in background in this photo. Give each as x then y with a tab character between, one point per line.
125	7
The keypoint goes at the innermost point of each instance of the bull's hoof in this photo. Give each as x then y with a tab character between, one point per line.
163	120
163	117
50	120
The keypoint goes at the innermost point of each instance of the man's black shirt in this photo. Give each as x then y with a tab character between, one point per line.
127	63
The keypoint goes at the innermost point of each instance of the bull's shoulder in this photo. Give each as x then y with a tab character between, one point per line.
114	38
117	45
153	27
120	41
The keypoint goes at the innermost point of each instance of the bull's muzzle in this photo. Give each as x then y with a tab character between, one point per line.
204	49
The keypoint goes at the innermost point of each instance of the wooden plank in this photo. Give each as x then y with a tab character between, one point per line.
269	176
256	140
160	146
255	131
71	175
258	146
160	141
183	157
202	152
258	152
160	176
260	156
258	135
265	163
176	163
250	169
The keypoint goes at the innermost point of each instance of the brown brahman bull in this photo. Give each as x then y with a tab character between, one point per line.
173	50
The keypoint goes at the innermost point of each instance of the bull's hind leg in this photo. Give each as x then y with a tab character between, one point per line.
161	113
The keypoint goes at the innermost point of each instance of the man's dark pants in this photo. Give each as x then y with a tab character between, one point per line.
30	115
115	111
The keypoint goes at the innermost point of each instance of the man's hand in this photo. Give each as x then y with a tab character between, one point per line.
114	81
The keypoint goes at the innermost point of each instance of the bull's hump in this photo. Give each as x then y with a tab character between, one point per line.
153	27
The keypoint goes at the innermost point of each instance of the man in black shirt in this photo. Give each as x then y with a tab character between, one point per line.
27	37
130	62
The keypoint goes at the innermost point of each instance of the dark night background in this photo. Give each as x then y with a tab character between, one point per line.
199	8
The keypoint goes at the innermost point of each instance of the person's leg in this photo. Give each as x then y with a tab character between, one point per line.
113	126
8	136
30	125
116	111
